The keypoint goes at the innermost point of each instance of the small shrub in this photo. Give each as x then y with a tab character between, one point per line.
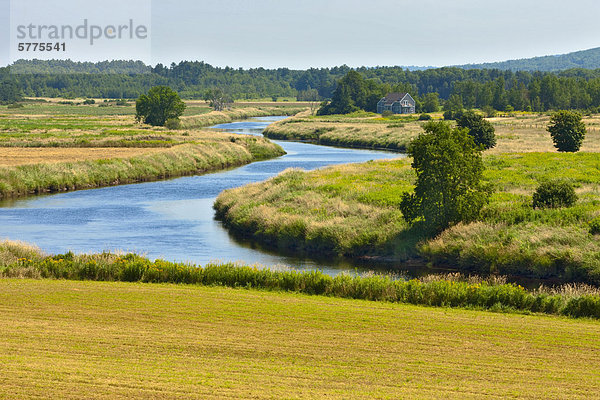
595	226
453	115
173	124
424	117
583	307
89	102
554	194
15	105
387	114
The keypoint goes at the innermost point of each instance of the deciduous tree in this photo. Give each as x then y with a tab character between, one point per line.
482	131
567	131
159	105
449	186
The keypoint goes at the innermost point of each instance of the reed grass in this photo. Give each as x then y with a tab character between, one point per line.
23	180
18	260
519	133
353	211
223	117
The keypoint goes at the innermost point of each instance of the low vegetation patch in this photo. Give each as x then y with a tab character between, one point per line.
361	130
354	211
595	226
554	194
17	260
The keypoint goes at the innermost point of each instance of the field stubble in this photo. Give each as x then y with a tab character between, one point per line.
64	339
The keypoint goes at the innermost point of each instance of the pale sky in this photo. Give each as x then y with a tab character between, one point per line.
324	33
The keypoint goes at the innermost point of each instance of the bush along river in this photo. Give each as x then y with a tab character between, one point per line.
173	219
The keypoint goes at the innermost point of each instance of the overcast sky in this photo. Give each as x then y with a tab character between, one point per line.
318	33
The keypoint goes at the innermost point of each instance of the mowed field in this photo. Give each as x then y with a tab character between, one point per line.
38	155
66	339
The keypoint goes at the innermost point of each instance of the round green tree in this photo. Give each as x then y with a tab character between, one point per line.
449	186
431	103
567	131
160	104
482	131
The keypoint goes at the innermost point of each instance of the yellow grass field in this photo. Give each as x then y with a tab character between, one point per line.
50	147
527	133
517	133
66	339
10	156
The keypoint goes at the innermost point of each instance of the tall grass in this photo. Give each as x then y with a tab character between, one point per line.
453	292
180	160
345	131
515	134
352	210
223	117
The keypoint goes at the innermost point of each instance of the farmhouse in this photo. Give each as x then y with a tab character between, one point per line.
398	103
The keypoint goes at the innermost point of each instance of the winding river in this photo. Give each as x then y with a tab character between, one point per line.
172	219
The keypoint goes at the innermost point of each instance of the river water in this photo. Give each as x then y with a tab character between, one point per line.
173	219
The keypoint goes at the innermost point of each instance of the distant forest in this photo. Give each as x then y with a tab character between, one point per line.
587	59
503	90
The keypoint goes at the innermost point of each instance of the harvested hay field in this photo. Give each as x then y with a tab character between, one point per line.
70	339
13	156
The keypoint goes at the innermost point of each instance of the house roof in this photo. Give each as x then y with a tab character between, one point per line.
391	98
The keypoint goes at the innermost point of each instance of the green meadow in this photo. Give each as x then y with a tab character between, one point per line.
353	211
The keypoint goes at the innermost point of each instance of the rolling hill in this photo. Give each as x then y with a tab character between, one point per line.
587	59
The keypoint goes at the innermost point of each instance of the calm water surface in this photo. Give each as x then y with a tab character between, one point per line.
173	219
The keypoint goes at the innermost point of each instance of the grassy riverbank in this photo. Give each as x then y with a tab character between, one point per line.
56	147
23	261
521	132
236	114
362	130
66	339
352	210
181	160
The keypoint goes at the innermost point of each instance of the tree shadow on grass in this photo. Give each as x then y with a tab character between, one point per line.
404	246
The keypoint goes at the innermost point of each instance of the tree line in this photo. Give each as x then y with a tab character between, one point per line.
502	90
